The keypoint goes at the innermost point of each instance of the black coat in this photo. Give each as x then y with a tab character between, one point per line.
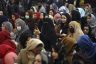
48	35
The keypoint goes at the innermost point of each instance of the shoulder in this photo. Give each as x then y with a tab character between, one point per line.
22	51
11	55
10	58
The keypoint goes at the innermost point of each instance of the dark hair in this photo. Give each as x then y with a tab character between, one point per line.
75	15
68	17
83	22
89	15
24	37
16	15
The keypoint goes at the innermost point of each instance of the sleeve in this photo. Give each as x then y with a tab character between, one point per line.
19	58
10	58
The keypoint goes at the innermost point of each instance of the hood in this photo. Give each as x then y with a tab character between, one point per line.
4	35
87	46
33	43
4	49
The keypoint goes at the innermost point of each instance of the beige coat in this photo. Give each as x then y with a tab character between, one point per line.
25	58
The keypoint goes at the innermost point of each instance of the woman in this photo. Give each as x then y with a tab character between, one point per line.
75	30
7	48
91	20
58	54
75	15
21	27
5	38
38	59
14	17
65	22
86	50
48	35
69	44
27	55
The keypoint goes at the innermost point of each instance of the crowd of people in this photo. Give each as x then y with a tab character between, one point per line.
47	32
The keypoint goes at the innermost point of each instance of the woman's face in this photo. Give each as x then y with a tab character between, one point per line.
64	19
38	49
38	59
27	15
3	27
51	12
13	17
54	54
89	19
41	15
86	30
34	16
71	29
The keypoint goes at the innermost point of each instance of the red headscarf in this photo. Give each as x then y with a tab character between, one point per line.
4	35
5	38
37	15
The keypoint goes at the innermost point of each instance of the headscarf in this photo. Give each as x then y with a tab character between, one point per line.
33	43
81	11
77	29
69	44
87	46
75	15
37	15
2	19
92	23
4	35
8	25
24	27
57	16
5	38
21	23
64	9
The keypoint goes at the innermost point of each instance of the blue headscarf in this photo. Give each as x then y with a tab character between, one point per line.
87	46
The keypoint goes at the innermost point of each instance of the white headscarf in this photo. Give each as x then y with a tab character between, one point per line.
33	43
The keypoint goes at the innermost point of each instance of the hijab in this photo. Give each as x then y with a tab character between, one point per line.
4	35
69	44
32	44
87	46
8	25
92	23
5	38
77	30
24	27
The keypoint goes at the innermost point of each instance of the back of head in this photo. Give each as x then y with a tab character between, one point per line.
75	25
33	43
8	26
69	43
4	35
75	15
